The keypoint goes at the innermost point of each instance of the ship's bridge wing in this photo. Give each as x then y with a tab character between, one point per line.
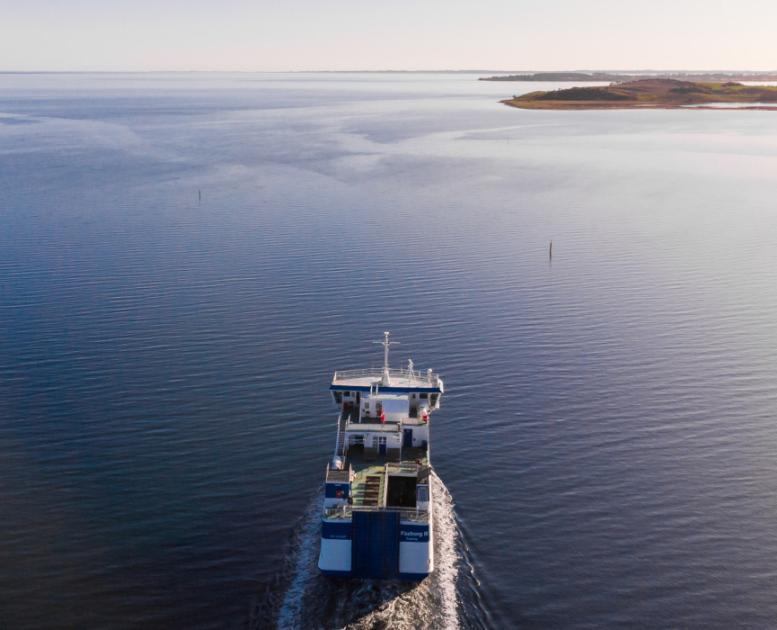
400	381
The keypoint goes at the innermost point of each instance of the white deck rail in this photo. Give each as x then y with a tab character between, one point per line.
346	512
428	379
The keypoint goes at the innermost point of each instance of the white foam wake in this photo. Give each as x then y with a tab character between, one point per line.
304	571
446	554
314	601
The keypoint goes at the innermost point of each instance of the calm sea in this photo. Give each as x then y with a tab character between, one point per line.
185	259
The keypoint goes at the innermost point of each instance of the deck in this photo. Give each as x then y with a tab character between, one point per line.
368	488
399	378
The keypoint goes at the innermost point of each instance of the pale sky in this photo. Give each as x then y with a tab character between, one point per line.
391	34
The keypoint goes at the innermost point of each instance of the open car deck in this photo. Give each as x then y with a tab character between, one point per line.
380	483
370	475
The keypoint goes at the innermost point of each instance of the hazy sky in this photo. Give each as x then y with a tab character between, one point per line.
395	34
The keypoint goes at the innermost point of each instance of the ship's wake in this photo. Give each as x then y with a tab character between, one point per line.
312	601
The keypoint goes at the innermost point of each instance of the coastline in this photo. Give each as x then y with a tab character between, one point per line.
652	94
593	105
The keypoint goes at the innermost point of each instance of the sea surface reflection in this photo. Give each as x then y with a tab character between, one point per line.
608	434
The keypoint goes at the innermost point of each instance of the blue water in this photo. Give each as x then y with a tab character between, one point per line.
608	435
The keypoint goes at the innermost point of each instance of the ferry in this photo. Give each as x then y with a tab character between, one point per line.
377	513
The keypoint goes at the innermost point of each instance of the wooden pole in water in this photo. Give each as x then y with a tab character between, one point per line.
199	196
550	251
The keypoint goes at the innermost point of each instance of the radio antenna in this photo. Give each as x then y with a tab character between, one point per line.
386	345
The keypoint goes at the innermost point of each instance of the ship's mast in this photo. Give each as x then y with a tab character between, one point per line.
386	380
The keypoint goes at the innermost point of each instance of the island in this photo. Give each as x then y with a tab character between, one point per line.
652	93
599	77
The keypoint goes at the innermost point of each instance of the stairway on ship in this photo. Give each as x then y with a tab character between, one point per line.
371	490
368	492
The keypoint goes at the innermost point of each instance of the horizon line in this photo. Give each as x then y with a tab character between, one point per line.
393	70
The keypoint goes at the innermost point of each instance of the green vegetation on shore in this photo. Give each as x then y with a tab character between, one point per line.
649	93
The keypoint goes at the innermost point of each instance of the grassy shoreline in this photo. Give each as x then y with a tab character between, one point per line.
651	94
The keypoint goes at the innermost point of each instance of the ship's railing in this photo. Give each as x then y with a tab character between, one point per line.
387	427
402	467
341	446
422	378
417	515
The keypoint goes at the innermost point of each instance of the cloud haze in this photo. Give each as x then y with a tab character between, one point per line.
402	34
